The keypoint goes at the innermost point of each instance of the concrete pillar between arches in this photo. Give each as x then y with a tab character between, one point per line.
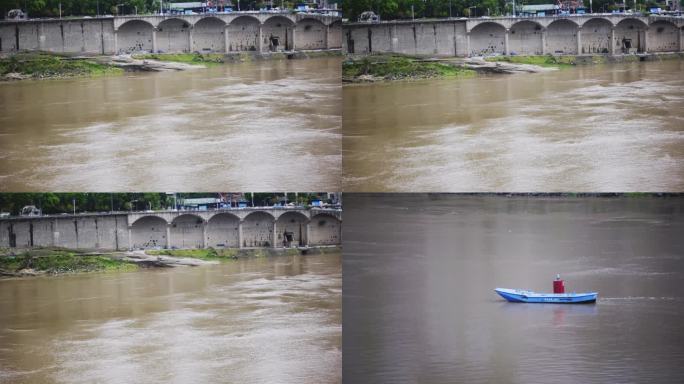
226	42
168	236
579	41
275	235
327	33
543	41
467	53
154	40
612	41
261	41
681	39
240	242
308	233
204	235
506	51
116	43
130	238
294	38
190	39
646	40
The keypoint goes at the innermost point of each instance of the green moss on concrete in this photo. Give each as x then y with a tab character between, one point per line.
41	65
542	61
398	68
203	254
187	58
54	261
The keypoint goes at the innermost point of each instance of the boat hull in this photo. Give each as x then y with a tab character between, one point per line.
522	296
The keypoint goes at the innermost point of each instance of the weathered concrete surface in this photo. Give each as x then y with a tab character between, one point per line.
239	31
576	34
236	228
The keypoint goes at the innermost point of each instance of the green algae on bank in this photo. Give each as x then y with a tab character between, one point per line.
47	66
207	59
227	254
60	261
542	61
378	68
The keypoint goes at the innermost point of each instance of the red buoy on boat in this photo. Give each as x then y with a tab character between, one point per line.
558	286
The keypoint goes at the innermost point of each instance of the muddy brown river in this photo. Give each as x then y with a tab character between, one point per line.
268	125
589	128
419	279
266	320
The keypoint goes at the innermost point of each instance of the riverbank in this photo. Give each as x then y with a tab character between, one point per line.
23	66
392	67
47	65
564	61
57	261
53	261
395	67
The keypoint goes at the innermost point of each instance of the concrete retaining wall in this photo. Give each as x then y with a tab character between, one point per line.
170	229
588	34
251	31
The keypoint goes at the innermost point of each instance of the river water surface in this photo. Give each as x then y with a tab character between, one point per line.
272	320
419	275
589	128
262	125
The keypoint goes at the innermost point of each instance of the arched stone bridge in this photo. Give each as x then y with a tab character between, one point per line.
225	228
222	33
232	32
571	34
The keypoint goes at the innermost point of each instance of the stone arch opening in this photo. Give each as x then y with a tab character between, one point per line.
149	232
291	229
257	230
173	35
187	231
325	229
595	36
133	36
208	35
525	38
223	231
487	39
561	37
311	34
243	34
277	34
335	35
630	36
663	36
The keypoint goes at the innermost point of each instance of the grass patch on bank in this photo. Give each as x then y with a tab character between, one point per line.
63	261
202	254
542	61
42	65
187	58
397	68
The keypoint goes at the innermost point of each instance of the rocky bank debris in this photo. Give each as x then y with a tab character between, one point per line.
128	63
144	260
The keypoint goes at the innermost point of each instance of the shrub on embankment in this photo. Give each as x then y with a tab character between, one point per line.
42	65
397	68
58	261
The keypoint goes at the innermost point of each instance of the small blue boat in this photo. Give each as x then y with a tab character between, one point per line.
523	296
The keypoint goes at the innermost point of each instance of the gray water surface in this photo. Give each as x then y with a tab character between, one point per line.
419	274
262	125
267	320
601	128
